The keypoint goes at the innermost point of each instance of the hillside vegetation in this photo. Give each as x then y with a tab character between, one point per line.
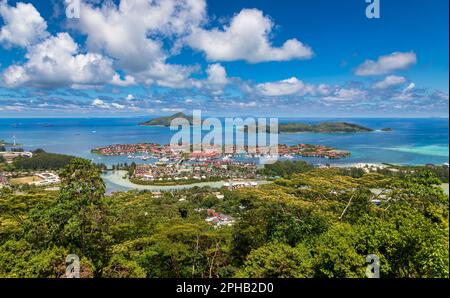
310	223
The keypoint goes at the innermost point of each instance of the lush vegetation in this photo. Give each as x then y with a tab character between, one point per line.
323	127
42	160
315	223
285	168
440	172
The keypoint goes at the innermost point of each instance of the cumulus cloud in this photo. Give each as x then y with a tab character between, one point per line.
100	104
246	38
280	88
23	25
346	94
387	64
389	82
56	62
217	74
216	79
123	32
126	81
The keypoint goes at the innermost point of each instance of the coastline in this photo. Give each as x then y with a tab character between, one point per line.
403	146
115	178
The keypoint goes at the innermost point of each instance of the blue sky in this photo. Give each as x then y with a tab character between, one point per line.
253	57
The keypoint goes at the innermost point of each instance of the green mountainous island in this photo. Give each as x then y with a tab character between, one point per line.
292	127
165	121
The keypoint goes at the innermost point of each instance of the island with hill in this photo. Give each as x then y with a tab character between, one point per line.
166	120
323	127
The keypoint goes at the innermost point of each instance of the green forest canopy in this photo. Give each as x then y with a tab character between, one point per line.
316	223
42	160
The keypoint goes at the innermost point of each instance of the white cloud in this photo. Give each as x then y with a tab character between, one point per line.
11	108
387	64
23	25
216	79
217	74
280	88
169	75
344	94
130	97
323	89
56	62
389	81
123	32
117	106
127	81
246	38
100	104
173	110
251	104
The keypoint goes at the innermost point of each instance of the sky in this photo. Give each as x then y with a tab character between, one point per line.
321	58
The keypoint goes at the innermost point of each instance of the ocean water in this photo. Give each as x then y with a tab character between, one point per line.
412	141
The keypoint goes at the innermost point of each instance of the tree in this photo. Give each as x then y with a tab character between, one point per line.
77	220
277	260
336	254
408	244
120	267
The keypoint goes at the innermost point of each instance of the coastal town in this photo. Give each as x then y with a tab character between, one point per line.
147	151
162	165
180	173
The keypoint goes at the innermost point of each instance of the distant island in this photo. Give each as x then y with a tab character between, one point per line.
323	127
166	121
292	127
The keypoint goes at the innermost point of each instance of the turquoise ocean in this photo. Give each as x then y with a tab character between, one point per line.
411	141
